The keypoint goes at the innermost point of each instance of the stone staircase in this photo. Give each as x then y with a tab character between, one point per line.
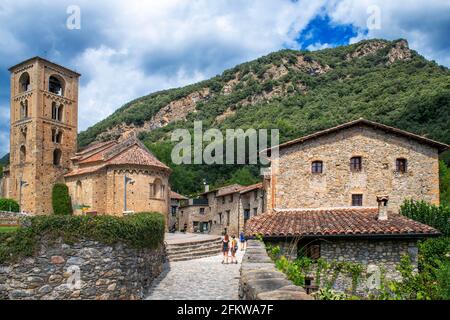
190	250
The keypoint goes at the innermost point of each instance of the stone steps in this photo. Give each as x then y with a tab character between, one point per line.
193	250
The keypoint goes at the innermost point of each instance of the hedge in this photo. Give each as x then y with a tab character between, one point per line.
9	205
142	230
61	202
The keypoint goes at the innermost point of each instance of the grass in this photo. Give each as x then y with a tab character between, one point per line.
7	229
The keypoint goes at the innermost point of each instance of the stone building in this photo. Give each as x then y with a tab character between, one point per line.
336	194
43	135
225	209
97	180
352	164
176	201
105	178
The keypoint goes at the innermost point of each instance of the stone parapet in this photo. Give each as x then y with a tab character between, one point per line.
260	280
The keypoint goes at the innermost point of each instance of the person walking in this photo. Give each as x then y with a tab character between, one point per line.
243	241
234	249
225	248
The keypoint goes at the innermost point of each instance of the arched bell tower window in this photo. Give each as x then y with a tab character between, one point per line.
24	82
57	112
60	113
23	154
56	85
57	135
57	157
24	109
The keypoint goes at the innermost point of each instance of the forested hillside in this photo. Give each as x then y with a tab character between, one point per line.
296	92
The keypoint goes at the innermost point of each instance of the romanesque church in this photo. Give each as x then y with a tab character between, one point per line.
109	177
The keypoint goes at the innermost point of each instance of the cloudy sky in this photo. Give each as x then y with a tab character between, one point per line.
126	49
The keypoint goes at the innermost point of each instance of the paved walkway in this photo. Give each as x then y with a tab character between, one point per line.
200	279
180	237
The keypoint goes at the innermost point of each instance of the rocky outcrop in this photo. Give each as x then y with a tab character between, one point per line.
400	51
176	110
83	270
366	49
260	280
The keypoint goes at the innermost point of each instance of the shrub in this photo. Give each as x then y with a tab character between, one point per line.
142	230
9	205
61	201
437	217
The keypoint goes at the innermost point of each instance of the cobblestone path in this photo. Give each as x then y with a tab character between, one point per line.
200	279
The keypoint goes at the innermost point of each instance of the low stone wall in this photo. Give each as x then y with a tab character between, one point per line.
84	270
11	218
260	280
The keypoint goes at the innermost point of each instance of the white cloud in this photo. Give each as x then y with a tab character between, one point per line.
424	24
126	49
157	45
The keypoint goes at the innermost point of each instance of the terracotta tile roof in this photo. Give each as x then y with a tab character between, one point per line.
128	152
177	196
440	146
251	188
86	170
93	147
228	190
334	222
137	156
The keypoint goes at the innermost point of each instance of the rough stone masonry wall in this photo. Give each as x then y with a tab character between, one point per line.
106	272
260	280
384	254
297	187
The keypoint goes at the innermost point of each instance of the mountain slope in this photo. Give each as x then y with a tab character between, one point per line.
296	92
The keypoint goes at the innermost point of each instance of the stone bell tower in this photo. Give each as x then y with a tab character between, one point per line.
44	112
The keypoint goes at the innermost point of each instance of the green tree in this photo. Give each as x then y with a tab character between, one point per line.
9	205
444	183
61	201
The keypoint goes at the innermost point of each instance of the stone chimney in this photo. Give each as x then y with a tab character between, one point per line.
206	187
382	207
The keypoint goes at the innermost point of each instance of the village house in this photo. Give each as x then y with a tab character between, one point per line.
176	201
336	194
223	210
111	177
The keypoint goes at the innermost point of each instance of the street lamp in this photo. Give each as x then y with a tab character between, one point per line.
22	184
126	181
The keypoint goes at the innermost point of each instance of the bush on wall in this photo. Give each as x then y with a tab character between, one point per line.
61	201
142	230
9	205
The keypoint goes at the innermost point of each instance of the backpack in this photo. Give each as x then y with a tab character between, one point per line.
234	244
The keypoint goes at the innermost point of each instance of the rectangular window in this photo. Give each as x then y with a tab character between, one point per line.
356	164
223	200
202	210
401	165
220	217
174	211
256	195
317	167
255	211
309	249
357	200
246	214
